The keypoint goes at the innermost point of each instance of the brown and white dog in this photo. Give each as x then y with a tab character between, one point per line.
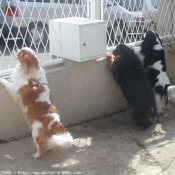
29	86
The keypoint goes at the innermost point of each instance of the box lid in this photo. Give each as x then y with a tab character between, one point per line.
78	20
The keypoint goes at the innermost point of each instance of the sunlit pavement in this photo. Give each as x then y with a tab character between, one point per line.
109	146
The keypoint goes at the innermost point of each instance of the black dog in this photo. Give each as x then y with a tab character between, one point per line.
130	75
155	65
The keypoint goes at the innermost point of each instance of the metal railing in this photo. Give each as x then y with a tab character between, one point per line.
25	22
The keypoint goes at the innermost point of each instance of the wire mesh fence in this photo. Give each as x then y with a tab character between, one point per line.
25	22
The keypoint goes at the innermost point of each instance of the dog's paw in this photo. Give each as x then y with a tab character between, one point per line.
36	155
3	81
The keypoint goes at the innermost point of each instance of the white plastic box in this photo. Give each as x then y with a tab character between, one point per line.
77	39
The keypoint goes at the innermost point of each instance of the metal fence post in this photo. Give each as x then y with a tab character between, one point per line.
95	9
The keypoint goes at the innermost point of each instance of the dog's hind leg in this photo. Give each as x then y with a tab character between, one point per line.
156	115
159	104
40	145
39	139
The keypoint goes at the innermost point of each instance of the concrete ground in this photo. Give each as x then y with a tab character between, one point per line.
107	146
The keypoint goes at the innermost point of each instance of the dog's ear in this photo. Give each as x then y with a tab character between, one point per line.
32	60
146	44
150	40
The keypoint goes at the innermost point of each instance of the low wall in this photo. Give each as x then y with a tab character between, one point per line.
80	91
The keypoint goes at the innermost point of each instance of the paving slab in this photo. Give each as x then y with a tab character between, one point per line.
160	141
107	146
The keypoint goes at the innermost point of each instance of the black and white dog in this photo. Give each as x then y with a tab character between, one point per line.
130	75
155	64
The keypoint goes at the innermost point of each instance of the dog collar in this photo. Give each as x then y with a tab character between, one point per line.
36	83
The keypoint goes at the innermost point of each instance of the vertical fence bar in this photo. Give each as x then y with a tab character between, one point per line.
95	9
88	9
102	9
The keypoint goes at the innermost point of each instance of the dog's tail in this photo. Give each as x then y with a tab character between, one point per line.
61	140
